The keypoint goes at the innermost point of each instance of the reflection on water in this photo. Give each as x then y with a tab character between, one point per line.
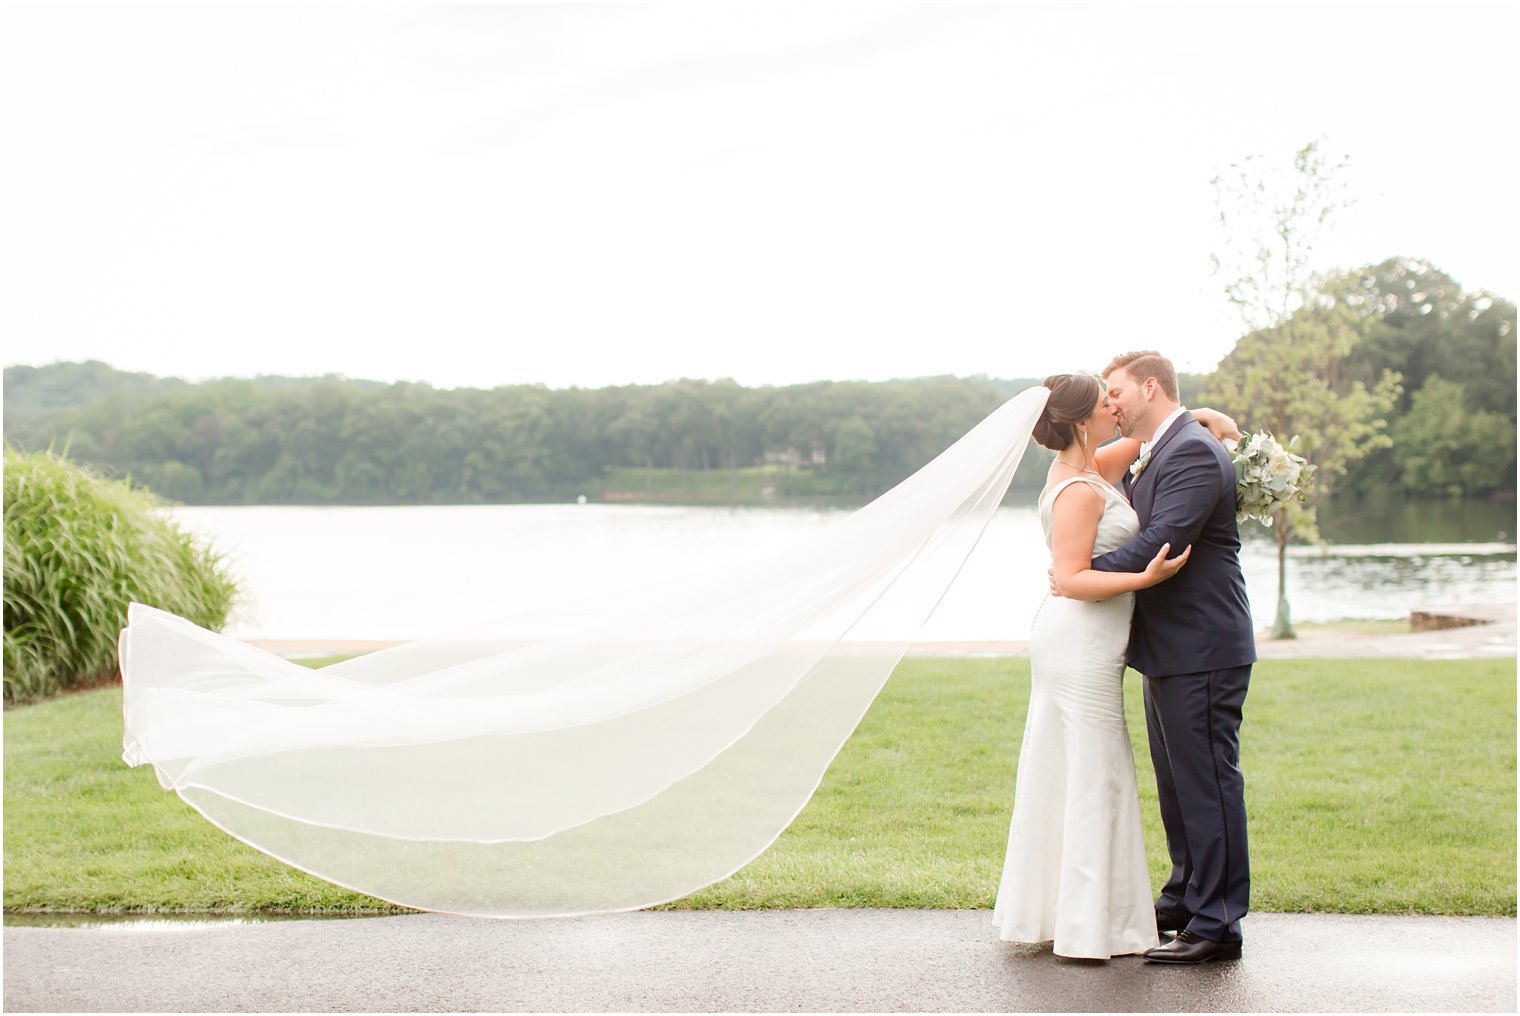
1391	519
1463	551
402	573
1386	556
1379	582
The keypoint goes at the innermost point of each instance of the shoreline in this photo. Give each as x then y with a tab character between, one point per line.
1477	631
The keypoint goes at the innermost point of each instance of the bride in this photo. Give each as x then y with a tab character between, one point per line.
1075	871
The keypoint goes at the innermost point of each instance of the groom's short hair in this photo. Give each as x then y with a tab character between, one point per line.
1146	364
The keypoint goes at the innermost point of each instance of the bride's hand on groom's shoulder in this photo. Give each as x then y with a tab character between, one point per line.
1218	424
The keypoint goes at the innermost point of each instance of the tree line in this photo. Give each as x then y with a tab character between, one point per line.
1397	378
335	441
1450	415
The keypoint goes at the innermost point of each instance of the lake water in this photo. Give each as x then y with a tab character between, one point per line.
400	573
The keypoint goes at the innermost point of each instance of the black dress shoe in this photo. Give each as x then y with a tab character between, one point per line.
1190	948
1167	922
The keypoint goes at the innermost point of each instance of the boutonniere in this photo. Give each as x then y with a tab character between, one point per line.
1138	466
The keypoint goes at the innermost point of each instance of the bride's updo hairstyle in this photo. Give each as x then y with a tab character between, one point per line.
1072	397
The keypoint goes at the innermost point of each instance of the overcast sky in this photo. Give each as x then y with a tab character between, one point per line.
495	194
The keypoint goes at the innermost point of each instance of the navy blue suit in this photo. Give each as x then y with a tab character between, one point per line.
1192	638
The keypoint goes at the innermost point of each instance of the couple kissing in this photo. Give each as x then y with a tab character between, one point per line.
1145	572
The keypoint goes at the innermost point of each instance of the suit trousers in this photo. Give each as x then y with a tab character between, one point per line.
1194	725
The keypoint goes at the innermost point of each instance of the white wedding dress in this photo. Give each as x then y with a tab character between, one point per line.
1075	871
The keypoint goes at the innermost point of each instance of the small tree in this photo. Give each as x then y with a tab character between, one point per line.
1286	373
1289	380
1272	219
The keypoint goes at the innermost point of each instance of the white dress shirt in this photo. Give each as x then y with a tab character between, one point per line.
1146	446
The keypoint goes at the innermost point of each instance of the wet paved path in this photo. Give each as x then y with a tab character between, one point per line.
765	961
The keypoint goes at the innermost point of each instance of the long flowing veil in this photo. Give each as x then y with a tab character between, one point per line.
641	751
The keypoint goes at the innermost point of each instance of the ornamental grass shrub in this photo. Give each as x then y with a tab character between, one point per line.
78	549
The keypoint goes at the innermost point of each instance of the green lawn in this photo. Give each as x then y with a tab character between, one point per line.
1372	787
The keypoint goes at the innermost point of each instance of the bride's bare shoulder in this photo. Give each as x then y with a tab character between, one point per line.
1074	493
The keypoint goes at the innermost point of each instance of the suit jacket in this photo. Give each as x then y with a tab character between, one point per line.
1199	619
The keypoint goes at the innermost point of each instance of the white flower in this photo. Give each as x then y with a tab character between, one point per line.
1268	477
1138	466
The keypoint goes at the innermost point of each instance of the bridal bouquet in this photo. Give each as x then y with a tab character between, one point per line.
1268	476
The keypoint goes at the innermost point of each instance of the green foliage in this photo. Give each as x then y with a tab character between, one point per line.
1416	320
854	446
337	441
1382	786
1284	376
78	549
57	386
1291	380
1289	374
333	440
1447	447
35	396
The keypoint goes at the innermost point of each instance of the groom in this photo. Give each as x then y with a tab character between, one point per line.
1192	639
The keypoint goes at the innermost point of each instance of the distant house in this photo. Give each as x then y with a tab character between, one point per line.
793	457
790	457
